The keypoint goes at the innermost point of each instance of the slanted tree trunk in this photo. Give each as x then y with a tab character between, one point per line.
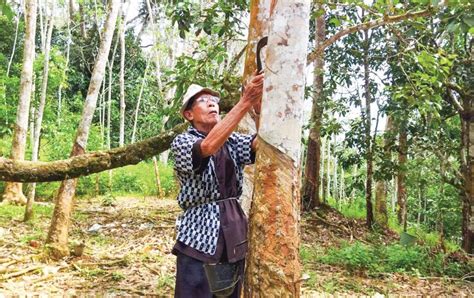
273	261
39	118
14	45
13	191
312	179
381	214
88	163
58	232
258	28
401	187
368	138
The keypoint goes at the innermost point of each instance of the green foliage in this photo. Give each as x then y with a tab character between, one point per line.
137	179
357	256
117	276
13	212
9	213
416	260
92	273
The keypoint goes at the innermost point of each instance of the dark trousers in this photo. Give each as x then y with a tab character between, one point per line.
191	281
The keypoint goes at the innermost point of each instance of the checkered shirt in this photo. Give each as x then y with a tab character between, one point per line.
198	226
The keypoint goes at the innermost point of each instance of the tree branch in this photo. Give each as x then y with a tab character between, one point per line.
452	99
457	88
86	164
365	26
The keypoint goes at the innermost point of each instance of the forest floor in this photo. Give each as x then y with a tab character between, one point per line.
127	252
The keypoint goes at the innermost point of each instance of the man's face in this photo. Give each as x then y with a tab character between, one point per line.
204	111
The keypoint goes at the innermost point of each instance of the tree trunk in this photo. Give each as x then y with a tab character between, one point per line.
68	50
158	179
122	81
322	188
58	232
89	163
13	191
312	179
368	138
273	261
14	45
137	108
39	118
381	213
328	169
335	193
109	95
401	188
82	20
467	143
258	28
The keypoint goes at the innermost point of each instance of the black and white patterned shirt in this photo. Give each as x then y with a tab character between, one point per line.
198	227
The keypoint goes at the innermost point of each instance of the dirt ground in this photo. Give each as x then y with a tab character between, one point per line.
127	251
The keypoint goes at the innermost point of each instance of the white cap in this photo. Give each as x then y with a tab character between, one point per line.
194	89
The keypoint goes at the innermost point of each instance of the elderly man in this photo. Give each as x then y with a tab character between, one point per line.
209	162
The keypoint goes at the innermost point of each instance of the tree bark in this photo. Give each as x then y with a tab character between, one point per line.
401	187
109	96
122	81
467	144
14	45
273	261
159	193
368	138
13	191
328	169
258	28
381	213
68	50
137	108
312	178
82	20
58	232
39	118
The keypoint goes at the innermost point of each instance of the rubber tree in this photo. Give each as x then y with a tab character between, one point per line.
258	28
380	210
312	179
13	191
58	231
39	116
368	137
401	175
121	33
273	261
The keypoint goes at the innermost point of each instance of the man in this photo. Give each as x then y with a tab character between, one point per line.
209	161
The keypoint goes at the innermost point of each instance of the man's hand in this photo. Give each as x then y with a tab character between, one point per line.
253	92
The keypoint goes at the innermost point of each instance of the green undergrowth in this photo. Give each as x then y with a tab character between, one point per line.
375	260
357	210
9	213
14	212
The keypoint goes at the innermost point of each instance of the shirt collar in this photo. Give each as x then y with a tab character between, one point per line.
194	131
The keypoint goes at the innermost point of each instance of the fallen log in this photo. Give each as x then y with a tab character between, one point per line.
86	164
